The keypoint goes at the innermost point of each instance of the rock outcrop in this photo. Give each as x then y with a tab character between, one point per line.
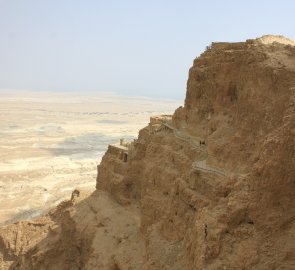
212	188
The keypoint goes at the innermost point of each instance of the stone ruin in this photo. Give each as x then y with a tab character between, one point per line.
157	122
122	149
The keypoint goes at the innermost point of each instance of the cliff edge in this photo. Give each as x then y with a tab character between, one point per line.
210	187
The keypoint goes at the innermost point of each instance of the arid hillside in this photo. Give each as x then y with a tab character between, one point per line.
210	187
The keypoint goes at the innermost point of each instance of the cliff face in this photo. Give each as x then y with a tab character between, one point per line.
211	188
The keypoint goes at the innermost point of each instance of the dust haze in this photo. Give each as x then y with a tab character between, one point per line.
52	143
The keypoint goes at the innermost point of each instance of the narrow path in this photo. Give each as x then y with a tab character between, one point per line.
200	164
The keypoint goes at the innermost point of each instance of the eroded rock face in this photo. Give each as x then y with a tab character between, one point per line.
214	189
87	232
240	101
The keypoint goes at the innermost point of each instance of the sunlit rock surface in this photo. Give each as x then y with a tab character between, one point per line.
209	188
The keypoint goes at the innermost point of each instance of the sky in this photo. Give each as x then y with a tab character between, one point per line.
131	47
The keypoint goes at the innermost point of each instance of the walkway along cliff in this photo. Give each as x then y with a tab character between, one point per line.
210	187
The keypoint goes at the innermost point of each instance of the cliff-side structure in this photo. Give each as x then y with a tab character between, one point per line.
210	187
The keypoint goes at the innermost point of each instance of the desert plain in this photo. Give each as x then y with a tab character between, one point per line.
51	143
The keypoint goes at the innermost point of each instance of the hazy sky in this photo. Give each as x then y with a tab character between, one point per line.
130	47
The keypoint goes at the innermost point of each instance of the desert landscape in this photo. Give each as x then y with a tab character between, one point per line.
147	135
52	143
209	187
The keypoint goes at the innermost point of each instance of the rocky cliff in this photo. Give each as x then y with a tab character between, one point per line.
211	187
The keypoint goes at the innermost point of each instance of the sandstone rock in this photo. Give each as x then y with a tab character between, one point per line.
176	203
